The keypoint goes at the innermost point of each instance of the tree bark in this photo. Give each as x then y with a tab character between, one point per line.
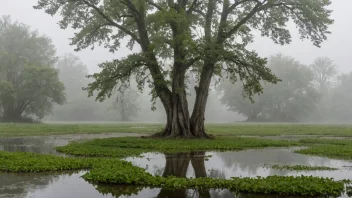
198	114
179	123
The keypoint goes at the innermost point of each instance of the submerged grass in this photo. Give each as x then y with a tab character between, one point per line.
238	129
301	167
127	146
115	171
333	148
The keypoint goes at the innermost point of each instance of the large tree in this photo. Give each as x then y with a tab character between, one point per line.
29	84
200	36
291	100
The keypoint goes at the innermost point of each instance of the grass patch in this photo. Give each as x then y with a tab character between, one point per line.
340	149
30	162
9	130
114	171
302	185
127	146
301	168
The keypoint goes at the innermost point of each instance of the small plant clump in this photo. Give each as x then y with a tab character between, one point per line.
302	168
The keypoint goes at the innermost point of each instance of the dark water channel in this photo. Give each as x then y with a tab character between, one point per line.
192	164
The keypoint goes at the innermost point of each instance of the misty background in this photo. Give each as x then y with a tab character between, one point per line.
328	104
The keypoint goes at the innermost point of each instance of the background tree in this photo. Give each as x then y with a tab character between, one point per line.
126	104
324	71
325	75
29	84
290	100
341	110
197	36
72	73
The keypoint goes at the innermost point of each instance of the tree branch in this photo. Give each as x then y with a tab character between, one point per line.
237	3
113	23
193	5
192	61
131	6
243	21
154	4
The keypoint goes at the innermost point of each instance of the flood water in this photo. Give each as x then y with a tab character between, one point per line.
192	164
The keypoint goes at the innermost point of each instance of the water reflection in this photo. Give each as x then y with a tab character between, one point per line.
239	164
248	163
46	144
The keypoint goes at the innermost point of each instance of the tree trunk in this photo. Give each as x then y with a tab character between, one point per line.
179	124
178	119
11	115
198	114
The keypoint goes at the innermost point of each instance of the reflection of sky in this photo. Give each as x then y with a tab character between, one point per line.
253	163
46	144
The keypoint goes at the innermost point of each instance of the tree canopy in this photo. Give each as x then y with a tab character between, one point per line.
291	100
206	37
29	84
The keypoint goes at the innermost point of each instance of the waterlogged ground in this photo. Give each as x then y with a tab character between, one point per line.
238	164
193	164
46	144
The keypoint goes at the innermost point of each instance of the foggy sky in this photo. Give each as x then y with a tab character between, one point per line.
337	47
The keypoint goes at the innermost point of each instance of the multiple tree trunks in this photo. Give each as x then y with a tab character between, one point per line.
179	123
177	165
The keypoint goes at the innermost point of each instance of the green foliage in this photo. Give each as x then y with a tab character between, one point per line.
113	171
197	35
123	147
30	162
290	100
302	185
341	149
29	84
289	130
302	168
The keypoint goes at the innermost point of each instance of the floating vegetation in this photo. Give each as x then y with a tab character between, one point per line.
302	168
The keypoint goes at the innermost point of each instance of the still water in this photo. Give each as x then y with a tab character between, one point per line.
192	164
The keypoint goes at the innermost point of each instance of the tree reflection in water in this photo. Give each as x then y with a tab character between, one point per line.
177	165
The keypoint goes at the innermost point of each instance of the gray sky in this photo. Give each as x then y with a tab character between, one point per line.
338	46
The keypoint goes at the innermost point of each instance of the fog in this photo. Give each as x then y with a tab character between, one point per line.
333	105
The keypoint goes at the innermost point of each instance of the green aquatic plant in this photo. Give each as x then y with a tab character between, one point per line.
238	129
129	146
333	148
302	168
31	162
302	185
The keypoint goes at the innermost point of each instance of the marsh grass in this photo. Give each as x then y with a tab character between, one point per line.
238	129
302	168
332	148
127	146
